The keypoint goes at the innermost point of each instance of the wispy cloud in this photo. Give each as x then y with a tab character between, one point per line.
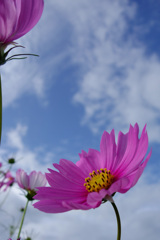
119	83
19	78
39	158
14	145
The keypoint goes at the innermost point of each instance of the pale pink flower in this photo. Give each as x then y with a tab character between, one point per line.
11	239
30	182
97	175
7	181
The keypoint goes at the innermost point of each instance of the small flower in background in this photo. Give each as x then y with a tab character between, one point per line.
7	181
17	17
97	175
6	178
11	239
30	182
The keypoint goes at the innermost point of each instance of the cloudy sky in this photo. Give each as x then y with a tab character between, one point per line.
99	69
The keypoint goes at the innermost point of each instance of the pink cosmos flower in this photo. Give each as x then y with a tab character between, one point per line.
11	239
97	175
30	182
7	181
17	17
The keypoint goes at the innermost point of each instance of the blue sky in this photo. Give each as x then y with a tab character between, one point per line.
99	69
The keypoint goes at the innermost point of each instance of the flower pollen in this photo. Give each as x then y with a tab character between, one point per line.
99	180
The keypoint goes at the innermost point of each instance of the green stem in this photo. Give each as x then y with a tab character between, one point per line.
3	201
118	221
20	228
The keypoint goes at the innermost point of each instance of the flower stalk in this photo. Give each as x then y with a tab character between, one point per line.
24	213
118	220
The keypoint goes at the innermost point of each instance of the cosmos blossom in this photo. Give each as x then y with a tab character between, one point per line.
9	179
97	175
30	182
6	181
17	17
11	239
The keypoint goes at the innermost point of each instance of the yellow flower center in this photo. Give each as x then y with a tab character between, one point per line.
99	180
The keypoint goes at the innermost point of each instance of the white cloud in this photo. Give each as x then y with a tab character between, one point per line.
14	137
40	158
120	83
20	77
29	159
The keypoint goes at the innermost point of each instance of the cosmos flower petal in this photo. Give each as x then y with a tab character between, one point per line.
108	149
50	206
9	19
121	148
58	194
32	179
89	160
31	11
131	147
36	179
135	175
140	153
131	163
56	180
67	167
74	205
84	161
22	179
17	17
117	186
125	183
94	199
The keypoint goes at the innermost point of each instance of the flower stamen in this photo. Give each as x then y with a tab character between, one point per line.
99	180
